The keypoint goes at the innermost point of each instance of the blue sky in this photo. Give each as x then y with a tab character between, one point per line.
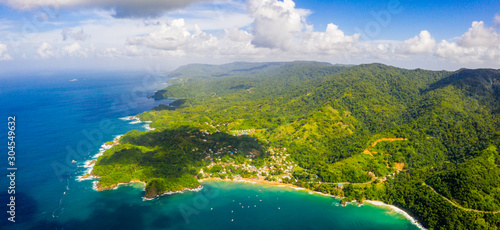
444	18
135	35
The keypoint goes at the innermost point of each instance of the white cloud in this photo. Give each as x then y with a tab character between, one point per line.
423	43
479	36
279	25
4	55
377	50
236	35
276	24
74	50
45	50
478	45
123	8
170	37
331	41
452	50
174	39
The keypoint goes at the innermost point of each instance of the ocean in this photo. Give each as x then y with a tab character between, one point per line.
62	120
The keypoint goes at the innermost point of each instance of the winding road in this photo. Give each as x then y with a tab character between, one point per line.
457	205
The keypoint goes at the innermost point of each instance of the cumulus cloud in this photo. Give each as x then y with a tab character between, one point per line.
175	39
74	50
377	50
45	50
280	25
447	49
170	36
331	41
70	33
423	43
479	36
4	55
123	8
276	24
479	45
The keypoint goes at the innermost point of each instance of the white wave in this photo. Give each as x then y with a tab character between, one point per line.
94	185
397	210
89	165
148	128
128	118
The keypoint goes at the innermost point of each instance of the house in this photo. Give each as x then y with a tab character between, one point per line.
340	186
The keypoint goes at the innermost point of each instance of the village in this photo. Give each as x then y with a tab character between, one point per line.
278	167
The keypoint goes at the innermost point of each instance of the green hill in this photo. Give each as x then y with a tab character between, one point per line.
425	141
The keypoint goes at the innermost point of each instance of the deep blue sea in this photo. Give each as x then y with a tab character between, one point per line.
60	120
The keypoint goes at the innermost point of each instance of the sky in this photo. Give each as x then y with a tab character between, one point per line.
152	35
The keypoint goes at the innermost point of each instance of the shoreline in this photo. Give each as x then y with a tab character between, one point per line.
397	210
89	164
114	187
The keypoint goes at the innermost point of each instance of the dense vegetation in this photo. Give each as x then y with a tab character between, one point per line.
327	119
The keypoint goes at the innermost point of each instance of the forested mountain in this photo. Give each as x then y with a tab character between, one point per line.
425	141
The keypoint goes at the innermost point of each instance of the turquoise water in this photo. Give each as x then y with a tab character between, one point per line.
58	120
219	205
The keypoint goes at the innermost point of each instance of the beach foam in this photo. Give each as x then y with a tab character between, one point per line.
397	210
148	128
136	120
128	118
89	164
